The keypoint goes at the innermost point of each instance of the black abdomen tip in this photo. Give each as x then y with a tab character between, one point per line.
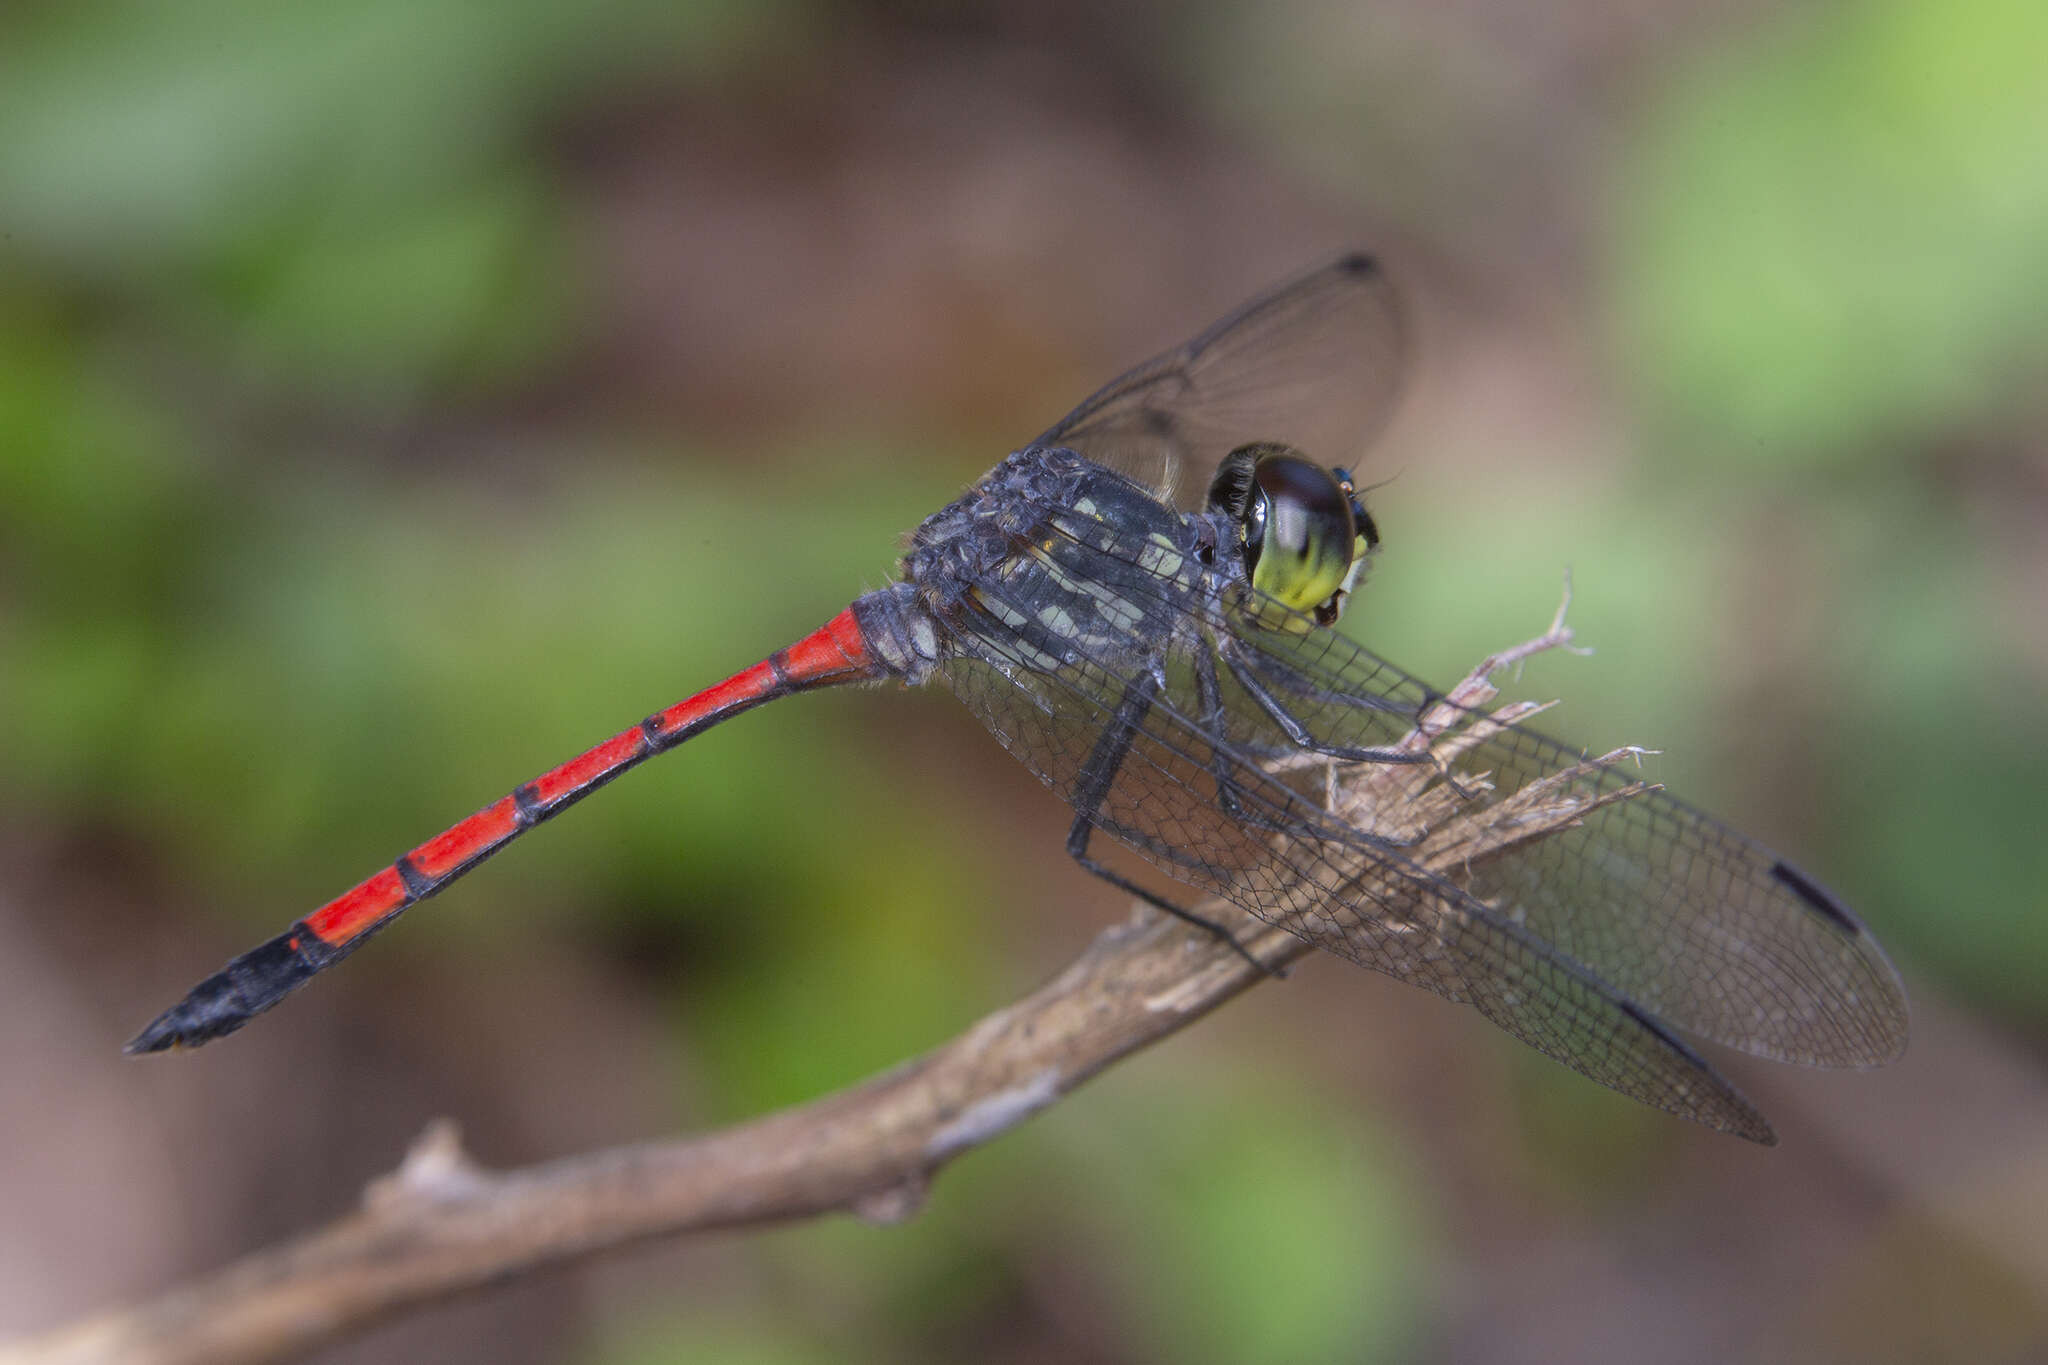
235	994
199	1018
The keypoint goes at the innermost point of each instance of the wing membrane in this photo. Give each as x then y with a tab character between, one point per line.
1316	364
1218	810
1696	923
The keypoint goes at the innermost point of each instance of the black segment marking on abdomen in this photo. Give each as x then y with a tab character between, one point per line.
418	884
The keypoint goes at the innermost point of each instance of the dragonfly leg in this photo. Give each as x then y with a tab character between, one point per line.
1231	795
1077	849
1298	733
1097	776
1291	726
1210	692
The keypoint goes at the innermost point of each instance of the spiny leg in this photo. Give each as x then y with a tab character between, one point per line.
1231	798
1291	726
1098	774
1210	692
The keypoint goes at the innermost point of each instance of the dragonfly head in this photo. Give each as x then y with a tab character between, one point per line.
1305	534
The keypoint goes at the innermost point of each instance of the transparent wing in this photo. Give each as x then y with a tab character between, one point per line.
1208	790
1315	364
1693	921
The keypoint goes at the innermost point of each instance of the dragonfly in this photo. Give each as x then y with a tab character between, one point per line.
1139	605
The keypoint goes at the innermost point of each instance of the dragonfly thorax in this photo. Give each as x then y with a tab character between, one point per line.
1060	556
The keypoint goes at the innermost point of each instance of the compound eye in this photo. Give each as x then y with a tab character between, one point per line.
1299	532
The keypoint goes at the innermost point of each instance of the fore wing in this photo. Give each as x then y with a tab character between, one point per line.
1693	921
1231	809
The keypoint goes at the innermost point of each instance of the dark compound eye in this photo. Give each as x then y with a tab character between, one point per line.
1300	536
1304	531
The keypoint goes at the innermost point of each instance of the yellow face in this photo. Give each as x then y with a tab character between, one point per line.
1305	535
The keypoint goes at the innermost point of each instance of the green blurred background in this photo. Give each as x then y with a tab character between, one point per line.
396	398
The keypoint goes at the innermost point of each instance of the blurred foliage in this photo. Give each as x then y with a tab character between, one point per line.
1258	1226
1831	223
728	1339
1835	213
139	141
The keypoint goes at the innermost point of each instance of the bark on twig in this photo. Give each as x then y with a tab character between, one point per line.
440	1225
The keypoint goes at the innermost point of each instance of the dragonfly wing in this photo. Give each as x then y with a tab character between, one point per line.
1315	364
1696	922
1219	807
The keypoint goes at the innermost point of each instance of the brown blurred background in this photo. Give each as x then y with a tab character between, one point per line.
395	399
